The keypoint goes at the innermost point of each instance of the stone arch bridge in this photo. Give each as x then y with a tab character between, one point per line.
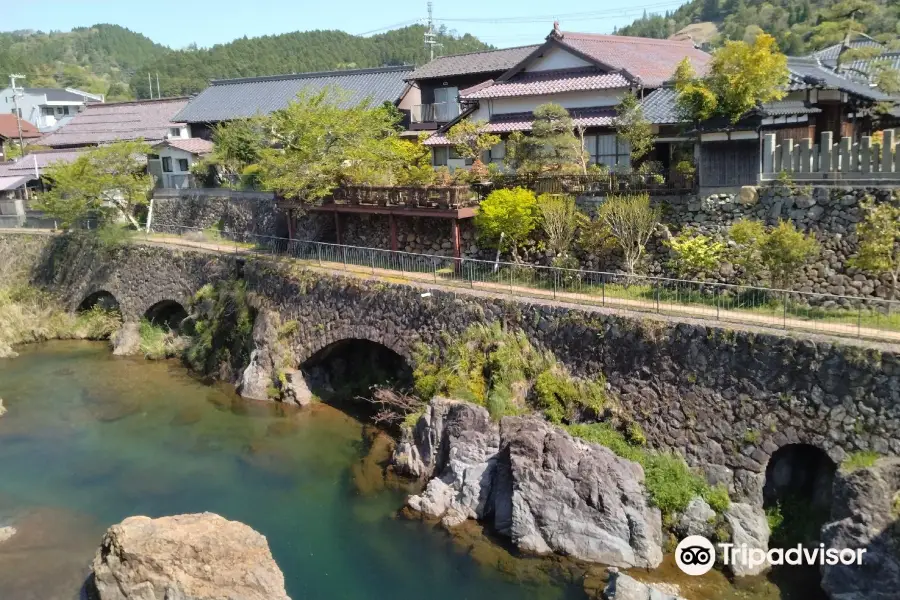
727	400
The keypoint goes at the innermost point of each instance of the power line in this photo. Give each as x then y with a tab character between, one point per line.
394	26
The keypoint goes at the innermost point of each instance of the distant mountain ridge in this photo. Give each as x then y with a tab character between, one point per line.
116	61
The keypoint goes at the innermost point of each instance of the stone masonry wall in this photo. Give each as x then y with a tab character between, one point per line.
246	214
725	399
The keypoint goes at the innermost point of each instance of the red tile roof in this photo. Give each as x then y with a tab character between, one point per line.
597	116
105	123
548	82
652	60
25	165
192	145
9	128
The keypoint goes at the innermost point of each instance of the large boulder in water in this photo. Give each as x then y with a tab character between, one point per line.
865	517
185	557
546	490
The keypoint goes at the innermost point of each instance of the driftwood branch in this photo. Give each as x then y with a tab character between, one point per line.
393	405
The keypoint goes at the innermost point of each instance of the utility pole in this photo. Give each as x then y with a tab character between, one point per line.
430	34
150	83
158	93
12	83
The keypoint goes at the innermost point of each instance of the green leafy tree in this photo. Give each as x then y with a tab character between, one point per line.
552	145
741	76
506	218
746	252
633	127
471	139
784	251
108	183
559	219
631	220
695	253
314	142
239	143
879	243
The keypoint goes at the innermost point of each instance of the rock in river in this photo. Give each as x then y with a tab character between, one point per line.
185	557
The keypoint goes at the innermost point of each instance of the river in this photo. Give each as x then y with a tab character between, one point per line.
90	439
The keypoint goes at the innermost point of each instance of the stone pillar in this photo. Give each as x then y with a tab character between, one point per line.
769	153
806	155
825	152
787	155
845	165
865	154
393	224
887	157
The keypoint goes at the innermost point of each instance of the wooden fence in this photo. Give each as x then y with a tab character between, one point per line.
843	161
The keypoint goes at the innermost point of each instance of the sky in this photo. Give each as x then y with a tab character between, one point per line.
209	22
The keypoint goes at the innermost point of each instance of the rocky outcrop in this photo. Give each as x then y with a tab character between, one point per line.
749	527
697	519
127	340
625	587
6	533
546	490
296	390
865	516
269	355
185	557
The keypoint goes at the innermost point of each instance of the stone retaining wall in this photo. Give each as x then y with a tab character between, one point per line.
249	213
725	399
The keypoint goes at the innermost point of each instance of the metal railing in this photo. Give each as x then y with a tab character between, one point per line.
755	306
439	112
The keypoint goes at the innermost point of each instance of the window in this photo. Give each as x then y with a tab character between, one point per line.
454	155
183	165
440	154
497	153
167	164
608	150
47	111
175	132
65	110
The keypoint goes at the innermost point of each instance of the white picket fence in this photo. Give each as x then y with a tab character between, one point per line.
844	161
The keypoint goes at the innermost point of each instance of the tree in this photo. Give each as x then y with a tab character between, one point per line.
784	250
239	143
506	218
471	139
633	127
559	218
741	77
314	142
555	146
106	182
631	220
879	243
695	253
748	236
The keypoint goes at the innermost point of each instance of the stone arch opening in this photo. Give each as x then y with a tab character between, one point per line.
347	370
100	299
797	493
167	313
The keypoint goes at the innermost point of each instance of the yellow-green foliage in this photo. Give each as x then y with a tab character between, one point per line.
859	460
670	483
157	343
500	369
695	253
31	315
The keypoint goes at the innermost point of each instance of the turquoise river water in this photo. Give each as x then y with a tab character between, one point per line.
90	439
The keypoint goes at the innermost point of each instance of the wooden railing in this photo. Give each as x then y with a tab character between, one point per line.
846	160
442	197
596	185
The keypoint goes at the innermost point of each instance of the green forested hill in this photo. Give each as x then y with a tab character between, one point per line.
188	71
113	60
89	58
799	26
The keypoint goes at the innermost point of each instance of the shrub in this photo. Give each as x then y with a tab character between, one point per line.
748	236
560	219
155	341
717	498
859	460
785	250
506	218
631	220
695	253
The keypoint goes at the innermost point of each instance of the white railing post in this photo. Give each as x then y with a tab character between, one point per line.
769	153
887	151
846	165
826	153
806	155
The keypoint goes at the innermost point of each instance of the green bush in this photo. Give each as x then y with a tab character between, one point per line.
859	460
695	254
512	213
785	250
156	342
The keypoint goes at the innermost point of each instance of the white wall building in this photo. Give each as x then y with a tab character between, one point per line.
171	164
46	108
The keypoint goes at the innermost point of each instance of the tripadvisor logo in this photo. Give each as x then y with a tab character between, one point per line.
696	555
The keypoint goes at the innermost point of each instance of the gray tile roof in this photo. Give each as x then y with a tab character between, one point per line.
56	94
808	73
486	61
828	56
789	107
659	106
229	99
25	166
862	69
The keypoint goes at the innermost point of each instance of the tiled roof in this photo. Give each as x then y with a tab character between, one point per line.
9	128
599	116
105	123
789	107
486	61
808	73
25	165
829	55
653	61
863	69
549	82
12	182
659	106
57	94
192	145
229	99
